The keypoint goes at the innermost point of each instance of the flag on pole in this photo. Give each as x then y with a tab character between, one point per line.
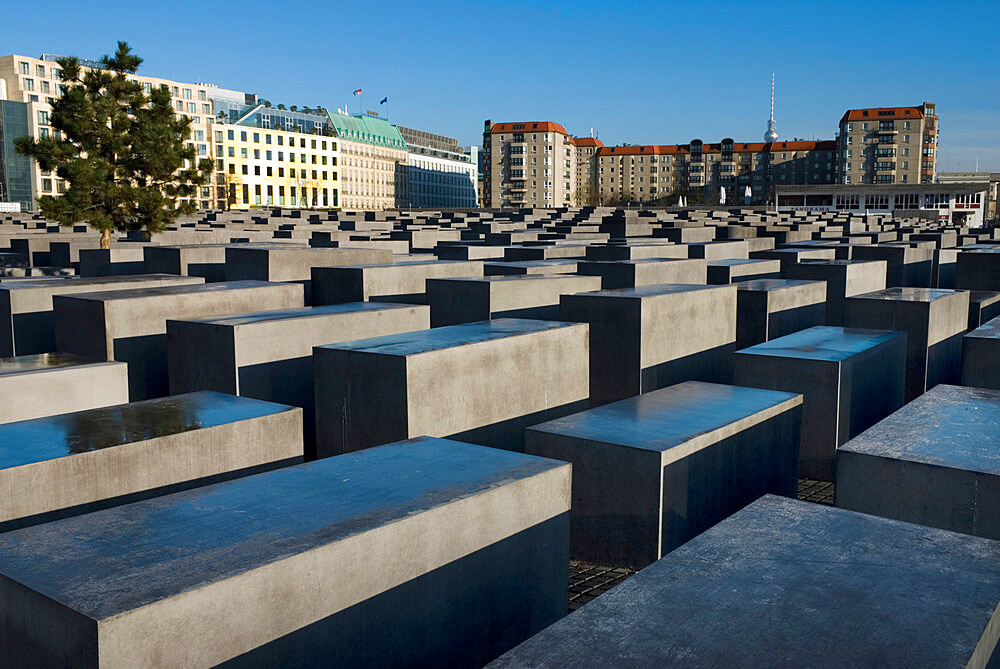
357	92
383	100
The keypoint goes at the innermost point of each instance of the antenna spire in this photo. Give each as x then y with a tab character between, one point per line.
772	133
772	96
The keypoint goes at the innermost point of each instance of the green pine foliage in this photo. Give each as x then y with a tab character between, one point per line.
121	150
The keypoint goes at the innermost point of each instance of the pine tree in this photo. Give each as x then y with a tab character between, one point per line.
121	150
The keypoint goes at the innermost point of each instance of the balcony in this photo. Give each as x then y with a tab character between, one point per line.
516	186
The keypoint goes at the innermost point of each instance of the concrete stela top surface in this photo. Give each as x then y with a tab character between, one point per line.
983	297
88	280
502	278
534	263
302	312
184	289
40	439
772	284
399	263
636	261
899	294
450	336
115	560
664	419
44	361
948	426
823	342
650	291
733	262
988	330
788	583
822	261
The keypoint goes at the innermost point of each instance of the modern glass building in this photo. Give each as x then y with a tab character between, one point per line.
15	169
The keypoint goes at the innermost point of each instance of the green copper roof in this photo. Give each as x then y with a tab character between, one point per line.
368	130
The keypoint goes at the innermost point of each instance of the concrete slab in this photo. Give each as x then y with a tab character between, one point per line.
933	318
392	282
738	269
771	308
268	355
904	595
480	382
468	300
131	325
205	260
981	356
74	463
645	272
984	306
978	269
844	278
425	544
26	324
935	462
905	265
850	380
44	384
555	266
646	338
651	472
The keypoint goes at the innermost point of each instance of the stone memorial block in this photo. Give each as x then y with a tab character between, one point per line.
43	384
636	251
771	308
286	262
984	306
26	323
116	261
555	252
904	595
131	325
467	300
790	256
721	250
422	553
74	463
268	355
978	269
844	278
850	380
651	337
468	252
554	266
906	266
981	356
935	462
392	282
739	269
481	382
651	472
204	260
645	272
934	319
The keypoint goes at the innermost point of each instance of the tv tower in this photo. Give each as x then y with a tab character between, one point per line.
772	134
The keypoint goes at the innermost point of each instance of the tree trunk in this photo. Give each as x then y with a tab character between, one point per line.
106	239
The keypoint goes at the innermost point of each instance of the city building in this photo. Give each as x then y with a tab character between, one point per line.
275	157
991	181
442	175
885	145
15	169
586	161
36	82
374	163
954	203
528	164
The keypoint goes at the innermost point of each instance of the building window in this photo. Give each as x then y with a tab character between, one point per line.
187	93
23	68
29	84
43	118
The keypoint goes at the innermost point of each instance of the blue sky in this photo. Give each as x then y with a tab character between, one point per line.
636	72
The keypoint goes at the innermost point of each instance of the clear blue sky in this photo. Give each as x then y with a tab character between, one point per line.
640	73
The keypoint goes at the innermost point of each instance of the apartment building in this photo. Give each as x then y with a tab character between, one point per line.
374	163
441	175
885	145
528	164
36	82
702	172
15	169
585	177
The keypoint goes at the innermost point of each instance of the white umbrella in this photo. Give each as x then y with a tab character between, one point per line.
747	195
722	195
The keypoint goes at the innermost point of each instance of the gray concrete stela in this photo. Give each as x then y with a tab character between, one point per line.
420	438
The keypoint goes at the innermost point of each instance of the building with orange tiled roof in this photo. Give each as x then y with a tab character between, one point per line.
885	145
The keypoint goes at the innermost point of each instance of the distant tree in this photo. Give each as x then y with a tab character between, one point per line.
121	150
589	196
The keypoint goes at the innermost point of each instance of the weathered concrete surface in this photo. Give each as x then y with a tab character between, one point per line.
653	471
935	462
981	356
771	308
392	282
205	260
431	541
131	325
481	382
268	355
71	463
934	320
721	250
905	265
844	278
26	324
984	306
904	595
116	261
645	272
554	266
44	384
978	269
850	380
468	300
651	337
738	269
636	251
